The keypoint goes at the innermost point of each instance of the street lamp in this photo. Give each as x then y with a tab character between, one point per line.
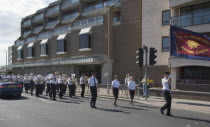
108	6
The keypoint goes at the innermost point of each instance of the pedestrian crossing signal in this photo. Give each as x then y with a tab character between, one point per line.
140	56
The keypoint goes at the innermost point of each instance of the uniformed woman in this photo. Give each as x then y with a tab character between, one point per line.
115	89
132	88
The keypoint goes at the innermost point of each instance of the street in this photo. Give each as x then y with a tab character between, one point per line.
29	111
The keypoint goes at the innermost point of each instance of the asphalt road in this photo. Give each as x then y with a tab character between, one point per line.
30	111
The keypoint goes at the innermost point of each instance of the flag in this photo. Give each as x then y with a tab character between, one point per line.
188	44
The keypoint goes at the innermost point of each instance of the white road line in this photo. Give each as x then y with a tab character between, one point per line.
43	100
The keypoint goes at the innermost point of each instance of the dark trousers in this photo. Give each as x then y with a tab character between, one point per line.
53	91
38	89
167	105
26	85
115	92
132	94
93	91
83	90
61	92
71	90
48	89
42	88
74	91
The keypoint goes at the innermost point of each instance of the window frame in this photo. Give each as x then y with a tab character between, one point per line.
64	43
163	42
46	50
89	47
166	22
32	52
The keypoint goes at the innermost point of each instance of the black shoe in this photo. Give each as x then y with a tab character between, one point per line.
94	106
169	115
54	100
162	112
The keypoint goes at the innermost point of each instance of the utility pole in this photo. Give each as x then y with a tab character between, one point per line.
146	66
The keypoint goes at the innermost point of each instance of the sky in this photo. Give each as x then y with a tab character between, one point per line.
11	13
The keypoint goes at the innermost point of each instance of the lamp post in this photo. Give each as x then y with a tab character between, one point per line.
108	7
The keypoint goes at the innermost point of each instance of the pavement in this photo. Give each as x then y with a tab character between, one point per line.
29	111
183	104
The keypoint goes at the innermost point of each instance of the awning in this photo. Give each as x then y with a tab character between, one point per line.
60	37
30	45
20	47
44	41
85	31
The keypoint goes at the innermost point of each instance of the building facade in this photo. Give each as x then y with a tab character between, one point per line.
194	15
81	37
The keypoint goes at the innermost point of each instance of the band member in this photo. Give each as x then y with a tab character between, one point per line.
26	83
42	84
167	94
93	84
70	85
20	79
47	81
14	78
115	89
127	80
37	82
82	84
132	88
74	79
31	83
65	83
53	84
61	85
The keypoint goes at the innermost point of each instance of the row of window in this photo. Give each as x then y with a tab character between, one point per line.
84	45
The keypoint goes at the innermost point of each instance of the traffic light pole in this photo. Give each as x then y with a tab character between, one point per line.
146	66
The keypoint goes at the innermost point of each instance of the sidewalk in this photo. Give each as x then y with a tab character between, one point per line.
191	105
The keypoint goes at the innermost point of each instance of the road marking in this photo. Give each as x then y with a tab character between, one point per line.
43	100
69	110
33	114
188	125
45	113
2	119
196	123
17	117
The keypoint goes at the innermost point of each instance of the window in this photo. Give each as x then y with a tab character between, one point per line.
19	54
85	41
165	44
44	49
30	51
61	45
166	17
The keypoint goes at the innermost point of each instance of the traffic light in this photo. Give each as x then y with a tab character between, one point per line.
152	56
140	56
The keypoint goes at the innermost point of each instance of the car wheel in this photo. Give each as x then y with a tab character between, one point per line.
18	95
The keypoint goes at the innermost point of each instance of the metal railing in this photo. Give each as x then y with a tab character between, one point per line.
192	19
89	21
53	9
27	22
31	39
70	16
44	35
52	23
100	5
61	30
38	17
68	2
26	33
37	29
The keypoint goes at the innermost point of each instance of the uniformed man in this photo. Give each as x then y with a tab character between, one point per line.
132	88
42	84
167	95
61	85
47	81
53	85
37	82
93	84
127	80
31	83
115	89
82	84
70	83
26	83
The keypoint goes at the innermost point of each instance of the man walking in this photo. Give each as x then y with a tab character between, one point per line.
115	89
93	84
53	85
82	84
167	94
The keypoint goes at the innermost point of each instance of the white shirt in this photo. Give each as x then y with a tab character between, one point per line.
47	79
26	79
165	84
60	80
20	78
82	80
69	81
91	81
132	85
52	79
36	80
115	84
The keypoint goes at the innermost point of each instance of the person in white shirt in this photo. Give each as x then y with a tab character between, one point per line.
115	89
37	82
26	83
82	84
53	86
167	95
132	88
61	85
47	81
93	84
70	83
127	80
31	83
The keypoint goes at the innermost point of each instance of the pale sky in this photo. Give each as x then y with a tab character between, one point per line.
11	13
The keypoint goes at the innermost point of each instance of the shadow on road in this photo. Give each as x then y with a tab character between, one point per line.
132	108
192	119
10	98
112	110
195	104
